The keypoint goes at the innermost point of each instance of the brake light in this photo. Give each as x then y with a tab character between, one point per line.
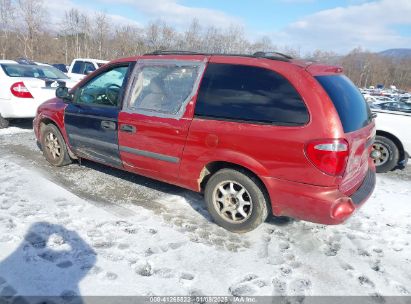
329	155
19	90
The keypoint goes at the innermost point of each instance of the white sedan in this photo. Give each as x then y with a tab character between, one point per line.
393	141
24	87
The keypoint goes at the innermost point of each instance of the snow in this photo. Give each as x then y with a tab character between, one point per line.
148	238
13	131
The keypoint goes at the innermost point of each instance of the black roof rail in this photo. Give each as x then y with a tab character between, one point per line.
171	52
266	55
270	55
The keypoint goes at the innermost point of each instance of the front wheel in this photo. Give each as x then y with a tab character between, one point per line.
4	123
236	200
54	147
388	154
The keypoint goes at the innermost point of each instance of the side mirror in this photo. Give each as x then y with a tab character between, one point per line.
63	93
88	72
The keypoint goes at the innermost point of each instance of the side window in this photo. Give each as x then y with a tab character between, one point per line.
247	93
104	89
163	88
78	67
88	68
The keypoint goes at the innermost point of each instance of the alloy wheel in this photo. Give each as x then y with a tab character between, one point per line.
232	201
53	146
383	154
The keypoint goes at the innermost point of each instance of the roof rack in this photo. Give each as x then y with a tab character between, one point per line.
171	52
270	55
265	55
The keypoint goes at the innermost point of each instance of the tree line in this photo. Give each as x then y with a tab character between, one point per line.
25	32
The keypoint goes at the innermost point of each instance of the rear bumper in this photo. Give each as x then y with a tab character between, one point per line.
19	107
322	205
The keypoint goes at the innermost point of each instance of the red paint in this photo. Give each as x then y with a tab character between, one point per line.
276	154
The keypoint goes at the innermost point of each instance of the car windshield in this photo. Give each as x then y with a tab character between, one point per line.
33	71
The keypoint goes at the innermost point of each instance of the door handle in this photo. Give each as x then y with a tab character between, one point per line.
128	128
108	125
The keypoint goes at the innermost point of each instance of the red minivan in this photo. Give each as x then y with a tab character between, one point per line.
254	133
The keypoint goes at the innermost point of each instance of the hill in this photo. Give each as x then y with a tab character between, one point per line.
397	53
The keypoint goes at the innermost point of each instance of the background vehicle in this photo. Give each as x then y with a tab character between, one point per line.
393	106
262	132
393	140
81	67
377	99
24	87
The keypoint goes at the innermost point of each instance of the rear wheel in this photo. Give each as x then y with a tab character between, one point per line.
54	147
236	200
4	123
388	154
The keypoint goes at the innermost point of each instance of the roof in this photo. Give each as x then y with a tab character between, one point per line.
91	59
7	61
313	68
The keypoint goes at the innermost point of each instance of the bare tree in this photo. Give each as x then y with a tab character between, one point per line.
6	24
101	31
192	37
33	15
25	31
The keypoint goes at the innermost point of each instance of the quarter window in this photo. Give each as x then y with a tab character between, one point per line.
163	88
247	93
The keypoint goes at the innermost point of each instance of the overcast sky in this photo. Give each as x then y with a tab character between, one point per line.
306	24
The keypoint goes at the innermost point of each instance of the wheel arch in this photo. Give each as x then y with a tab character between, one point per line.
44	121
214	166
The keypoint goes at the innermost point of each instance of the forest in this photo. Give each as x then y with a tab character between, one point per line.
26	32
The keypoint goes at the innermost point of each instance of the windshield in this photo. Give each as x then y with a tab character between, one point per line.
33	71
351	106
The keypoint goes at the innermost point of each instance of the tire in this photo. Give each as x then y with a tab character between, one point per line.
4	123
389	154
54	147
223	199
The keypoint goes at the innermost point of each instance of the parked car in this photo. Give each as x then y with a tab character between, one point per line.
393	140
377	99
255	134
393	106
81	67
24	87
406	99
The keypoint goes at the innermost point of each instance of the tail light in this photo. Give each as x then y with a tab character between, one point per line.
19	90
329	155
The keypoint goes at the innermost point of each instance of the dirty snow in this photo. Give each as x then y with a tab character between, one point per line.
69	231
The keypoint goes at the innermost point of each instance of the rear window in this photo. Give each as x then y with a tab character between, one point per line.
351	106
250	94
33	71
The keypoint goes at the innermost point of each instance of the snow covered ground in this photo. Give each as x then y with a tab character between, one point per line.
92	230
